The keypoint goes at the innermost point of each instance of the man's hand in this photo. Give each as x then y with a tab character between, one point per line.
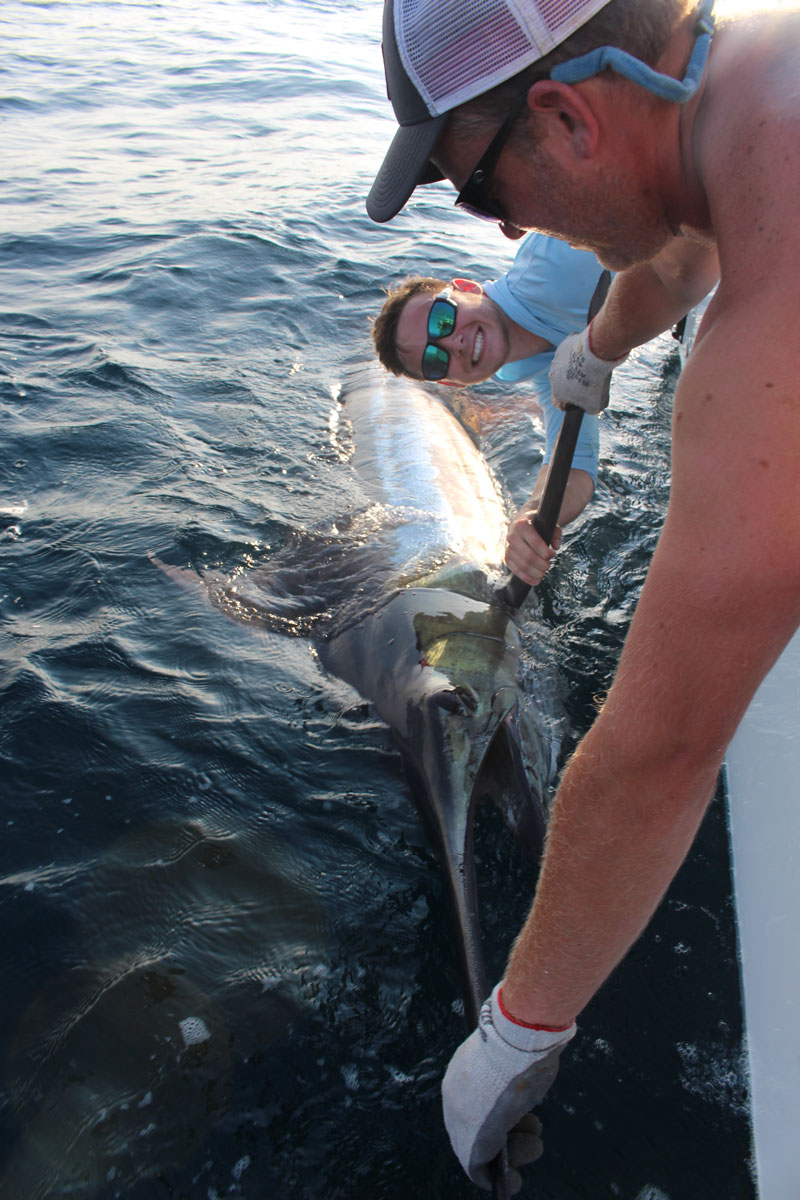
578	376
500	1072
528	555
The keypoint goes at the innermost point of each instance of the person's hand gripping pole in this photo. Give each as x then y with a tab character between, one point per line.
494	1079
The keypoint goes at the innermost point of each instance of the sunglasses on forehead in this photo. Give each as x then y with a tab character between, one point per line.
476	195
441	323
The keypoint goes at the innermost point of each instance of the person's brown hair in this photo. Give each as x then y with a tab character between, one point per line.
384	327
643	28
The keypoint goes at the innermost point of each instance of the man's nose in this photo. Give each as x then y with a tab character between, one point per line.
512	232
454	343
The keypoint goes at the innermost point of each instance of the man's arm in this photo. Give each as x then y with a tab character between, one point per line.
577	494
641	303
649	298
721	599
527	555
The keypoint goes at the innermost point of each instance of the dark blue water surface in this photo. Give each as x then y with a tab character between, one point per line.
225	958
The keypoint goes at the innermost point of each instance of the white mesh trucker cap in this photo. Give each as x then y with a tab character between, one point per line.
440	53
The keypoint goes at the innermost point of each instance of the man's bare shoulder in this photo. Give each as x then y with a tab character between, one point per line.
747	142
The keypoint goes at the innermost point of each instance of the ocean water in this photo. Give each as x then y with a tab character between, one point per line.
225	959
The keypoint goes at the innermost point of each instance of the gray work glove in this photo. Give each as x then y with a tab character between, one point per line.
500	1072
578	376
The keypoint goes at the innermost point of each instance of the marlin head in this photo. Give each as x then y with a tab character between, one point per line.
443	671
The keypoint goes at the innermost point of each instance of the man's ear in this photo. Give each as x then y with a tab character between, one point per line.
467	285
565	113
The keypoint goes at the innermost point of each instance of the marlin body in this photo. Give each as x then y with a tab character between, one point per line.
420	630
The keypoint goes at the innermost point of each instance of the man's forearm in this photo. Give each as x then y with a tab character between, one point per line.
577	494
618	834
651	297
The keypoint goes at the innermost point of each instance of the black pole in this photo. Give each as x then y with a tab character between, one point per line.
545	518
499	1169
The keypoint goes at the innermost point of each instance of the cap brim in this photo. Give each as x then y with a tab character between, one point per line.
406	165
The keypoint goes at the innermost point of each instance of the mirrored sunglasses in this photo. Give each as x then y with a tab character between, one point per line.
441	323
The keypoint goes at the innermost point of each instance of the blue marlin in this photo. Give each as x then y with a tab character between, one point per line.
403	603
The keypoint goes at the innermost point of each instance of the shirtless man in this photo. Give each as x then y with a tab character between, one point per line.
466	332
648	179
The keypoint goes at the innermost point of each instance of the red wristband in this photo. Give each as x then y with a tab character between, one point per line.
526	1024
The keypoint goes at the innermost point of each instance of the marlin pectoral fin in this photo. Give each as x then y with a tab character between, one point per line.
503	778
288	595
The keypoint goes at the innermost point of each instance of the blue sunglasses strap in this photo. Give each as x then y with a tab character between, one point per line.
611	57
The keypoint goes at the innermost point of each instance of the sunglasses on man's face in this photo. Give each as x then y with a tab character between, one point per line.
441	323
476	195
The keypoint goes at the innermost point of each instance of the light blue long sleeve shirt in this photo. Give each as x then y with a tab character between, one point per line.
547	291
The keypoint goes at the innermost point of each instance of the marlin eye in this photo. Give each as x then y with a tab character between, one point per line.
460	700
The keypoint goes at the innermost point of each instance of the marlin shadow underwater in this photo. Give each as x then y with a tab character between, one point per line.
402	601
